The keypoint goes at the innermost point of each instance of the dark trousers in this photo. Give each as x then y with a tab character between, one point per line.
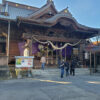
72	72
67	72
62	73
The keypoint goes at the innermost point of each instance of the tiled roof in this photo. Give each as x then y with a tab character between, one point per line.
17	10
14	12
45	7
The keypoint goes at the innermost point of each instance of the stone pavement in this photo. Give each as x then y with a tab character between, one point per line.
52	72
50	86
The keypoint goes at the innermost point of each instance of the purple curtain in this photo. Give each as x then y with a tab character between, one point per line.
35	48
68	51
21	48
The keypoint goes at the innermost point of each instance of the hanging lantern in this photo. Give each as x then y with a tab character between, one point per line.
86	55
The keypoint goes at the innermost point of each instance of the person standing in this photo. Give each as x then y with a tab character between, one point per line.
62	68
43	61
67	68
72	68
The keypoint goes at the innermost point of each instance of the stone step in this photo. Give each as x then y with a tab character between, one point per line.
51	72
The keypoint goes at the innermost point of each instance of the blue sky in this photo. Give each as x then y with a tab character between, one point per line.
86	12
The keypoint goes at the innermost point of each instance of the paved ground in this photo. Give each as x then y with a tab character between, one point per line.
52	87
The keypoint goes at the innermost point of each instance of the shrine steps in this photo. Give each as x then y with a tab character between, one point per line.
50	72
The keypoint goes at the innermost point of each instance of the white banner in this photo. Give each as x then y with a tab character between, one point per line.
24	62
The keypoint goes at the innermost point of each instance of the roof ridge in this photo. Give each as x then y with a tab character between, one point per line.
19	5
47	5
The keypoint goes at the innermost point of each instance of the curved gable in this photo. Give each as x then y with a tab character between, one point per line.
49	8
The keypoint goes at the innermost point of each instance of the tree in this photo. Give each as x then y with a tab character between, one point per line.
96	39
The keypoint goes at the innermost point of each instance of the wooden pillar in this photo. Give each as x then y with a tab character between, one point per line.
47	54
61	55
7	46
52	57
65	53
90	64
94	62
8	51
31	47
56	55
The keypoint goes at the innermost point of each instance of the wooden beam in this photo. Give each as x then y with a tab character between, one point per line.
47	38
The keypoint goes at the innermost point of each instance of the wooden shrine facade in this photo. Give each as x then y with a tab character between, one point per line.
20	22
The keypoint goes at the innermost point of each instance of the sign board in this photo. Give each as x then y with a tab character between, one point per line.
22	61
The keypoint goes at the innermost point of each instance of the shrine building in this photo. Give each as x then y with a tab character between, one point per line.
55	34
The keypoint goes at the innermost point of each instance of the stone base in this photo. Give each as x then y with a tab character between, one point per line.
4	71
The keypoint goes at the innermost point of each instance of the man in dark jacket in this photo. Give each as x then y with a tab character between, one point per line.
67	68
72	67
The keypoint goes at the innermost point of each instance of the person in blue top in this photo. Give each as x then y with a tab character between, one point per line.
62	65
